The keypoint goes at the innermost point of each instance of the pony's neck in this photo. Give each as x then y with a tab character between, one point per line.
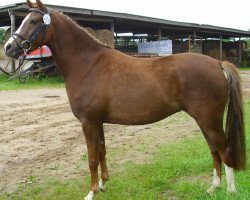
73	48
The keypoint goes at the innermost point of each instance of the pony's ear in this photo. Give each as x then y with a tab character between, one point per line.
30	4
40	5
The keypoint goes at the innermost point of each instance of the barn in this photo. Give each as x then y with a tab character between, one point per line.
145	36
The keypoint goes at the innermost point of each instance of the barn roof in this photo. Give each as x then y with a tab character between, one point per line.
125	22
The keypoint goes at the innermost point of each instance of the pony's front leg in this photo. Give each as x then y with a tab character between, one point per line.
91	131
102	157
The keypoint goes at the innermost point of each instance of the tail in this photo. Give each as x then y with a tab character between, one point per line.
235	128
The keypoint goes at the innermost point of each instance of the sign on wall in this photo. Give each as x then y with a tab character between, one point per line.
163	47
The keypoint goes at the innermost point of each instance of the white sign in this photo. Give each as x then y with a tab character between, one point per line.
163	47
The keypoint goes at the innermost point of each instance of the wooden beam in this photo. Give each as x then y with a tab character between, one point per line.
112	27
189	43
12	30
91	19
194	38
221	47
240	57
159	33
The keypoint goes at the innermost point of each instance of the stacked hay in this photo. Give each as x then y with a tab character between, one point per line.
90	31
105	36
212	49
180	46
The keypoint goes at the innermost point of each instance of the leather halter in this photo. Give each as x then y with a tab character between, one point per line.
27	43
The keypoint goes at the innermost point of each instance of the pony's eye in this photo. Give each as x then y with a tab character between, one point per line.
34	22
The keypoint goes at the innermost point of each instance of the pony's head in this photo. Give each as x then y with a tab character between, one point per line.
34	31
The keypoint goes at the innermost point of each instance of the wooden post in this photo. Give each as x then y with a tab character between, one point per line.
12	30
173	42
221	47
194	39
112	27
159	33
189	43
240	58
133	39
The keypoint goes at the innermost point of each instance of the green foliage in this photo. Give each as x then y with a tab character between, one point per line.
244	67
2	31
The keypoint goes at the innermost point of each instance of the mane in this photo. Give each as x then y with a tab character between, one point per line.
81	28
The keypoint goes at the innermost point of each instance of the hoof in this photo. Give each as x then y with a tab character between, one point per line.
231	191
101	185
210	191
90	195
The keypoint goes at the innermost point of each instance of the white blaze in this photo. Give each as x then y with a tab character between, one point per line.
11	40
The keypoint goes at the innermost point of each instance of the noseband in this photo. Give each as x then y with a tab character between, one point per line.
27	43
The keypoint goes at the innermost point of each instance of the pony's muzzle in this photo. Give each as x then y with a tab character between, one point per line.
9	50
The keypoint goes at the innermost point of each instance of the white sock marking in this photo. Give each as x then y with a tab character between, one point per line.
216	183
216	179
230	179
90	195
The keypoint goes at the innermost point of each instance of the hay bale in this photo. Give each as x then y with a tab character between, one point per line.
212	49
91	31
106	37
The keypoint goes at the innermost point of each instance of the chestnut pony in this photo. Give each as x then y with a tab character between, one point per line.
107	86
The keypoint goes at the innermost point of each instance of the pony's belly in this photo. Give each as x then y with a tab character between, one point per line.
139	118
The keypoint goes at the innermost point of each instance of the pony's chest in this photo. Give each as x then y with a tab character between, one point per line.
87	107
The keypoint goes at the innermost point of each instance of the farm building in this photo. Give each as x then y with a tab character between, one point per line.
128	33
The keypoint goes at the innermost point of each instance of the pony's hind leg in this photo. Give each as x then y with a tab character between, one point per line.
216	173
230	179
217	141
217	167
211	123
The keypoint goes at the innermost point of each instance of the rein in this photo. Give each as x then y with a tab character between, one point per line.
27	43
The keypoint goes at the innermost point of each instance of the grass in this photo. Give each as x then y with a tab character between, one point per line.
243	67
31	83
181	170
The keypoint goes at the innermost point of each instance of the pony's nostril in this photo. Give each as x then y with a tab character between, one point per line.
8	47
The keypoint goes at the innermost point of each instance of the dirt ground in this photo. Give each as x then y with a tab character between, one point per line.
40	138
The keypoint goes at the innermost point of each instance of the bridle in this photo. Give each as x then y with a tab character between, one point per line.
27	43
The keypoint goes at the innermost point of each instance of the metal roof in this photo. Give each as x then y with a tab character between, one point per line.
126	22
